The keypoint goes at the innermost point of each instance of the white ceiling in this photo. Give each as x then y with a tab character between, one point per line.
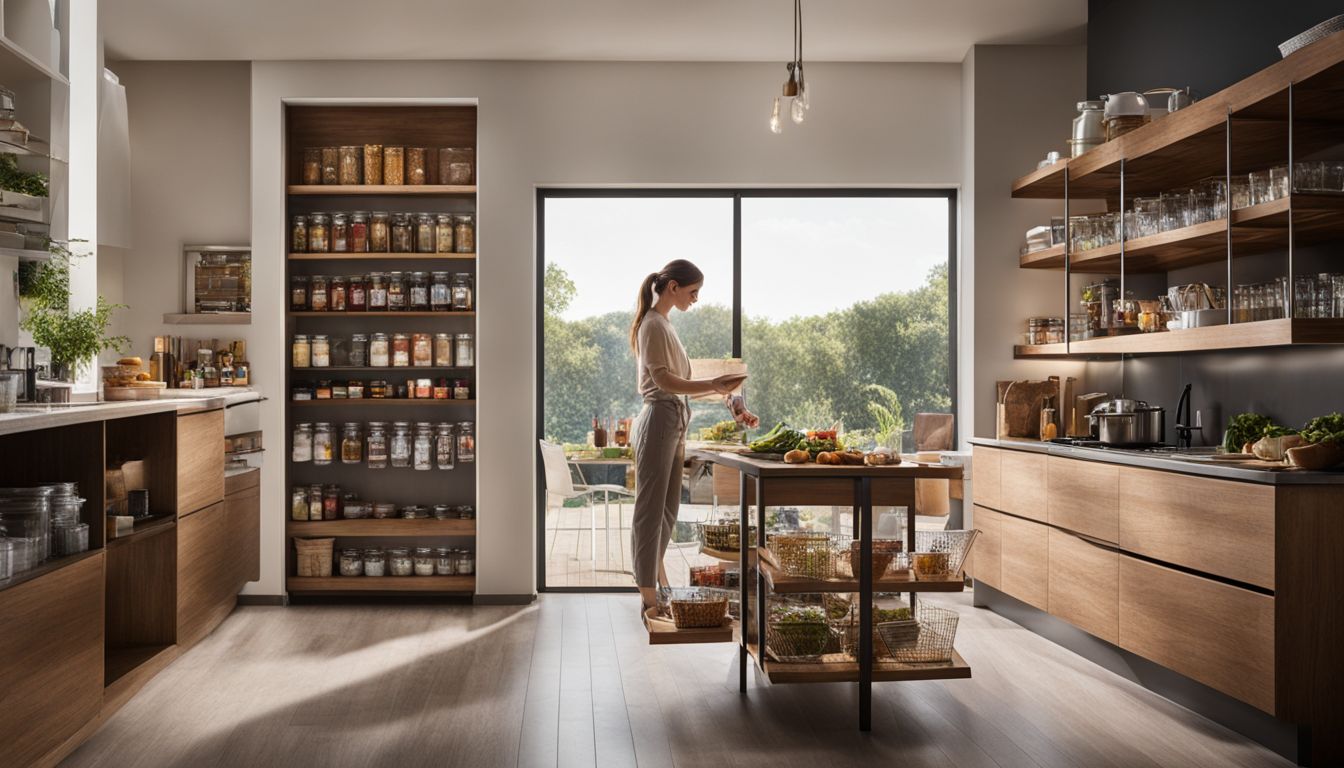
621	30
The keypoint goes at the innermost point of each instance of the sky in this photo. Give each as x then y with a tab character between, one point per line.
800	256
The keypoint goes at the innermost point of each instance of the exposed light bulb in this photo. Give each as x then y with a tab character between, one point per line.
775	125
796	109
803	92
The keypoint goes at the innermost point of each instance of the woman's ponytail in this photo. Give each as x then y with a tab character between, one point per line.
642	306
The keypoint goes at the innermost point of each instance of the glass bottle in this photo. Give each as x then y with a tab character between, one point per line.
402	235
379	351
331	502
440	294
315	502
416	165
352	159
340	233
396	292
378	232
322	443
466	562
352	562
320	351
312	165
401	350
359	232
298	502
352	444
464	350
331	164
337	294
319	234
298	293
298	235
461	292
417	288
464	234
394	166
443	350
377	292
443	562
443	233
301	446
373	163
424	233
359	350
424	446
466	442
375	562
301	351
399	447
423	560
317	293
399	561
422	350
375	452
444	444
457	166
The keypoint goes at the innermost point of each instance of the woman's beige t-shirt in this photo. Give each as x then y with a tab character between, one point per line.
659	349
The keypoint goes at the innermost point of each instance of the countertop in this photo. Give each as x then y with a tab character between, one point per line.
30	417
1167	463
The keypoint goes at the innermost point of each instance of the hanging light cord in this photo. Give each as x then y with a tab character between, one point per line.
798	40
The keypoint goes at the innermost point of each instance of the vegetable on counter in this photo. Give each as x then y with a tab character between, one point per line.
781	439
1242	429
1323	429
724	432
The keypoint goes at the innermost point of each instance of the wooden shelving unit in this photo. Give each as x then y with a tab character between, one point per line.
1263	333
380	369
380	402
382	256
379	190
381	314
455	585
838	668
782	583
388	527
208	318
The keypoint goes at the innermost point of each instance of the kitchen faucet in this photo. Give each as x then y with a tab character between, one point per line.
1184	430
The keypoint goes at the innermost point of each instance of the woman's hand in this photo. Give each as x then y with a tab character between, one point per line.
726	384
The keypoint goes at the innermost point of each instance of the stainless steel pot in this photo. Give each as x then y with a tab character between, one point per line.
1128	422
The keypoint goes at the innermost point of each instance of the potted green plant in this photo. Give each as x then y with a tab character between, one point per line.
74	337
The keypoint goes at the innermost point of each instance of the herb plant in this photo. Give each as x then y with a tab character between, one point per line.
74	337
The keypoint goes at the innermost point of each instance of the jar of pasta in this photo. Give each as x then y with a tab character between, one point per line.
378	232
373	163
394	166
416	161
352	159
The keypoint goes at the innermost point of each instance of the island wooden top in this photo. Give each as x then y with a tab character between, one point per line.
764	468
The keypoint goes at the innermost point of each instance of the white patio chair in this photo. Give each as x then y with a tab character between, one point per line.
560	486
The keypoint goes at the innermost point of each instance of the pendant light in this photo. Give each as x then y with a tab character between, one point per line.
795	85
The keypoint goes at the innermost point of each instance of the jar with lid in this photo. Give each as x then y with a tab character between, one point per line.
424	388
379	351
315	501
457	166
399	562
319	233
320	351
317	293
331	502
359	350
403	238
298	234
378	232
331	165
443	562
464	350
422	350
322	443
443	233
357	294
312	165
424	446
399	447
1089	127
443	350
394	166
461	292
417	160
301	445
298	293
301	351
298	501
396	292
340	232
440	295
355	390
352	160
352	444
417	288
464	234
373	163
376	448
401	350
359	232
377	389
461	389
353	509
444	443
377	291
466	562
352	562
442	512
466	442
375	562
322	390
466	512
337	294
424	233
424	561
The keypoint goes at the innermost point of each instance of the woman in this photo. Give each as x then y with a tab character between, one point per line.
660	430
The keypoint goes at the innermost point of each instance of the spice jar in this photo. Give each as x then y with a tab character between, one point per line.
464	350
331	502
320	351
355	390
464	234
440	295
298	502
399	446
340	233
396	292
322	443
337	294
466	442
298	293
315	502
377	292
457	166
359	232
322	390
443	233
379	351
357	294
462	389
352	563
375	562
399	561
331	160
424	446
423	561
443	350
422	350
424	388
301	444
417	159
424	233
359	350
466	512
466	562
443	561
319	236
351	163
461	292
298	235
378	232
401	350
352	444
444	444
402	236
312	165
441	390
317	293
373	163
377	389
394	167
417	291
301	352
375	452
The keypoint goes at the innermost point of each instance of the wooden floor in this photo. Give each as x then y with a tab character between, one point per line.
570	681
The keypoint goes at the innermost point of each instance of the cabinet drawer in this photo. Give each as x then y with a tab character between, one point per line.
985	476
242	511
205	573
1022	484
1085	585
1025	549
200	461
1220	635
1216	526
986	564
1084	496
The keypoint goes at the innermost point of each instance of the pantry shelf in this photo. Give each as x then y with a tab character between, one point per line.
382	257
372	190
23	254
362	584
839	668
309	313
662	631
388	527
379	369
208	318
783	583
380	401
1263	333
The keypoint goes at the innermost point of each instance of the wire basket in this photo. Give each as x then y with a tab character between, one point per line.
885	553
955	544
726	535
927	638
811	555
799	634
698	608
313	556
849	628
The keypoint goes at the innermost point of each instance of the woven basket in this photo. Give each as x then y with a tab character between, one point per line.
956	545
810	555
927	638
726	535
692	609
314	556
884	552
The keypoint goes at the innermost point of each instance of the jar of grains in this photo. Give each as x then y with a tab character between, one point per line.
440	296
375	562
464	234
373	163
331	161
394	166
466	562
378	232
464	350
416	161
352	562
315	502
352	444
359	232
301	352
402	238
443	233
457	166
352	159
443	350
320	351
443	562
418	291
424	561
380	351
298	234
399	561
312	165
375	452
319	234
424	233
298	501
301	445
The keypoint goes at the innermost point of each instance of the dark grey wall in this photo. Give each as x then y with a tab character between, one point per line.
1209	46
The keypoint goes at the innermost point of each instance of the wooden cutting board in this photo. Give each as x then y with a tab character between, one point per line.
1019	407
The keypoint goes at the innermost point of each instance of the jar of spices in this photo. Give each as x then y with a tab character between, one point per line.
337	294
424	233
424	389
403	240
352	159
319	234
384	510
301	351
399	447
352	444
298	502
340	233
317	293
377	292
331	502
401	350
444	444
443	350
301	445
301	392
457	166
462	389
323	448
466	442
312	165
461	292
417	159
298	293
443	233
298	235
464	350
440	295
442	511
352	563
442	390
376	445
352	508
424	561
379	351
357	294
373	163
464	234
399	561
394	166
396	292
466	562
322	390
320	351
331	161
315	502
466	512
443	562
422	350
375	562
359	232
424	446
418	292
378	389
359	350
378	232
355	390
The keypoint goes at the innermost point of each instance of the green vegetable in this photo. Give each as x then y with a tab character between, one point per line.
890	614
1324	429
798	615
1244	428
781	439
724	432
1274	430
15	180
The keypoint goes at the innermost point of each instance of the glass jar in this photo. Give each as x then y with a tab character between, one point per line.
352	563
394	166
417	160
443	350
323	443
359	350
298	293
352	160
312	165
319	233
441	390
317	293
301	352
402	235
424	388
298	500
443	233
464	234
359	232
373	163
298	235
331	502
464	350
461	389
315	502
423	561
424	446
377	389
320	351
377	292
375	562
396	292
352	444
378	232
379	351
399	447
443	562
440	294
444	443
331	165
422	350
466	442
424	233
457	166
375	452
301	445
461	292
399	562
357	294
340	233
417	288
466	512
401	350
337	294
466	562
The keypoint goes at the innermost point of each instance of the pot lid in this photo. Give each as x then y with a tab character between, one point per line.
1122	406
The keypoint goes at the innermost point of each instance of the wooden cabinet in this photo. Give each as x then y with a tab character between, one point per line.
242	512
1219	527
1022	484
985	474
986	564
1220	635
1025	560
206	586
200	461
1084	585
1084	497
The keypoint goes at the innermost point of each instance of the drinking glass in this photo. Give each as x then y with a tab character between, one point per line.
1148	216
1332	175
1309	176
1304	297
1175	210
1278	182
1242	196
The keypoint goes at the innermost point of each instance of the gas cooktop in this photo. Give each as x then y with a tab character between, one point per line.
1082	442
